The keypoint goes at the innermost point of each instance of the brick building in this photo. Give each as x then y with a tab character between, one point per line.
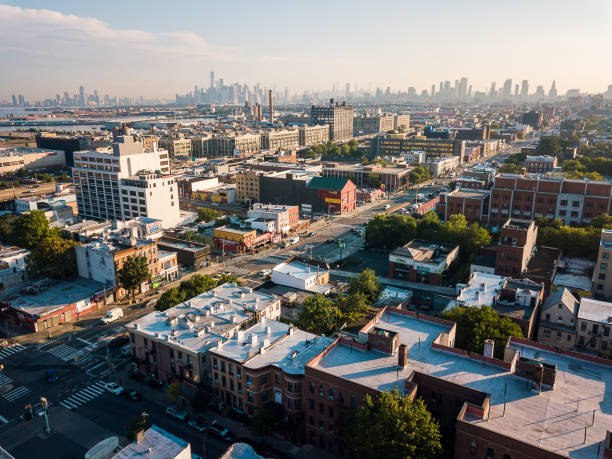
422	261
372	175
473	204
540	164
486	407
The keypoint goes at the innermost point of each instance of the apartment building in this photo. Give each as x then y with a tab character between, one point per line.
441	165
313	135
373	124
473	204
177	147
516	246
602	282
15	158
557	325
339	118
372	175
397	144
531	196
200	146
265	364
247	186
174	344
283	139
594	325
285	218
98	181
540	163
490	407
103	258
234	145
422	261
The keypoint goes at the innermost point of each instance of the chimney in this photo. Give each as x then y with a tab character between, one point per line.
489	346
253	339
271	106
402	356
268	331
140	436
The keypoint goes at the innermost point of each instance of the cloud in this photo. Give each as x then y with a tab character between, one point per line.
65	46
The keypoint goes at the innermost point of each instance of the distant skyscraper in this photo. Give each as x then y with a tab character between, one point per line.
539	91
463	85
525	88
348	90
492	91
212	79
82	100
14	99
469	93
507	90
553	90
516	90
433	90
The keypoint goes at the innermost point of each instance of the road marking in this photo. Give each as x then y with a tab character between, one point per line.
4	380
3	419
14	394
85	341
10	350
83	396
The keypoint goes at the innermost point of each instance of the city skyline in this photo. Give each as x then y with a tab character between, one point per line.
143	53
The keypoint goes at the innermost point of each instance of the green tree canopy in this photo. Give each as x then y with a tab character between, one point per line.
196	285
30	228
134	272
53	257
207	215
475	325
392	426
225	278
319	315
170	298
419	174
351	307
365	283
549	145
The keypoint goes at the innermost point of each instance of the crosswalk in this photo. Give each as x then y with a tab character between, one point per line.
4	380
16	393
10	350
83	396
65	352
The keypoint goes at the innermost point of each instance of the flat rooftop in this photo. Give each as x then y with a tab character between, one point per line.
595	311
553	419
22	151
469	194
181	245
199	323
57	295
425	251
156	444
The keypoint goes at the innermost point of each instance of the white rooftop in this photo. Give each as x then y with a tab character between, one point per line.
548	419
595	311
156	444
199	323
482	289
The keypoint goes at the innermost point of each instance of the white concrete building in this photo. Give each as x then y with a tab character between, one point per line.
148	191
15	158
302	276
441	165
156	443
284	217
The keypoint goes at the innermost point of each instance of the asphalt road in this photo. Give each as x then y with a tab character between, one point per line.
25	191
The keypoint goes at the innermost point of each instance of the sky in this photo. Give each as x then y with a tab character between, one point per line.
158	48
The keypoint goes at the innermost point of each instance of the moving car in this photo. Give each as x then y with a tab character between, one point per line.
113	388
176	413
199	424
132	395
265	272
387	206
51	376
112	315
119	341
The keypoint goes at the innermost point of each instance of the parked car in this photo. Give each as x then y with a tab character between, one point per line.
221	432
265	272
113	388
310	234
177	413
112	315
51	376
387	206
331	240
199	424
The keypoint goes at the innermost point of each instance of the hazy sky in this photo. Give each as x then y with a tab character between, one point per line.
157	48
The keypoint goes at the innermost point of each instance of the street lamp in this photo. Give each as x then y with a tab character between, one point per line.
45	406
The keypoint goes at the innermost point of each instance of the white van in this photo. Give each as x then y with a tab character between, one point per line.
112	315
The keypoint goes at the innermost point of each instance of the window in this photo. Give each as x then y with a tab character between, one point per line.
264	379
604	256
602	276
277	378
581	341
215	363
230	369
311	404
575	203
604	345
321	408
331	393
569	337
606	331
311	387
264	396
547	316
558	335
546	332
490	453
249	380
595	328
331	410
223	366
603	266
436	398
564	202
583	326
321	390
473	448
250	396
298	404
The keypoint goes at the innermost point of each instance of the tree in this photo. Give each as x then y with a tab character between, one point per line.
225	278
392	426
510	168
140	422
207	215
134	272
365	283
549	145
267	420
419	174
475	325
174	391
30	228
319	315
170	298
196	285
352	307
53	257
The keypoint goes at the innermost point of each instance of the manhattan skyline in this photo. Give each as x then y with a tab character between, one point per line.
126	49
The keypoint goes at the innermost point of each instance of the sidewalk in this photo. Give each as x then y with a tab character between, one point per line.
239	430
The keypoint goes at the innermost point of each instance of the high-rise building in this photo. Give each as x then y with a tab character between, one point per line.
516	90
553	90
339	117
14	99
271	102
539	91
492	91
82	100
507	90
462	90
125	182
212	79
525	88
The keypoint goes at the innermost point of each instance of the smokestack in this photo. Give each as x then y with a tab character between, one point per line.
271	106
258	113
402	356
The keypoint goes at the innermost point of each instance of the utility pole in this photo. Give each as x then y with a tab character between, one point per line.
45	406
